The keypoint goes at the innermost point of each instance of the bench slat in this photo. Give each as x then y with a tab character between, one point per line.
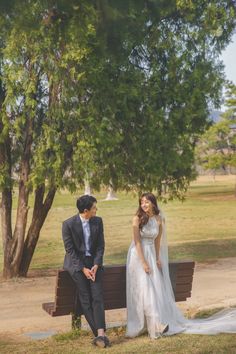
185	280
184	272
183	288
49	307
183	265
182	296
115	305
63	311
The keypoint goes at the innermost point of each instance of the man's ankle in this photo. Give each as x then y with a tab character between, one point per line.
101	332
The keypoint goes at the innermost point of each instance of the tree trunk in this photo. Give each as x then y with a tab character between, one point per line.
87	188
6	207
14	244
40	213
14	253
111	193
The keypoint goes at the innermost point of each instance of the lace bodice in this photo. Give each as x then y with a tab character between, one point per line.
150	231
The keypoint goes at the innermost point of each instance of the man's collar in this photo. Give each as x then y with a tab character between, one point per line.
83	219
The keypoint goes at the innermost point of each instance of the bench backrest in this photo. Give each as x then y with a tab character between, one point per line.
114	286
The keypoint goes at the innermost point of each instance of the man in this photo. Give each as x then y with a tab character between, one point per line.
84	245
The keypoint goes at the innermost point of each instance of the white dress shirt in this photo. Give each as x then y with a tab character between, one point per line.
87	234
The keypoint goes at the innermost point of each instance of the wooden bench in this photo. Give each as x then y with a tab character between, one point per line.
114	286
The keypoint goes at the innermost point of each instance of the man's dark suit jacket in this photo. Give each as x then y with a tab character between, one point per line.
73	238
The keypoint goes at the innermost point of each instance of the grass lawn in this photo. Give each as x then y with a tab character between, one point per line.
80	342
179	344
202	228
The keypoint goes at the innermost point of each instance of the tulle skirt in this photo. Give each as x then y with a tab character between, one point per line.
151	304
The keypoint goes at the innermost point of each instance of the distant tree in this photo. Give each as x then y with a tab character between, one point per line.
217	147
231	99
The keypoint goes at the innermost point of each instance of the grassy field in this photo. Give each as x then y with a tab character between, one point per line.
202	228
180	344
80	343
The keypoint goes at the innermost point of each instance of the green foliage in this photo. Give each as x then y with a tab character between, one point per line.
114	91
41	58
217	147
156	88
231	97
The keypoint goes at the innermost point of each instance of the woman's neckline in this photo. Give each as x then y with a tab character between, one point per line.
151	217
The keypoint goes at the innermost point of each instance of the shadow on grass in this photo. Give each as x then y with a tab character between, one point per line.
207	313
200	251
203	251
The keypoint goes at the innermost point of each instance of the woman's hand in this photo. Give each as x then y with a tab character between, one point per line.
146	268
159	263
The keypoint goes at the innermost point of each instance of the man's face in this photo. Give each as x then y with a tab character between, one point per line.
92	212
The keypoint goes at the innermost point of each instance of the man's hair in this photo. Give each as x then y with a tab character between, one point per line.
85	202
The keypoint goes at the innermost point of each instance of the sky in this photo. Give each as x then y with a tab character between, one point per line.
228	57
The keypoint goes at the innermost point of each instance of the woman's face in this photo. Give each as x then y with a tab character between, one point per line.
146	205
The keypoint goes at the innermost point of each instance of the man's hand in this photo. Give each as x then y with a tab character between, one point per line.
88	273
94	271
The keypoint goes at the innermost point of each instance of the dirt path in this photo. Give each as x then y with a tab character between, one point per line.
20	300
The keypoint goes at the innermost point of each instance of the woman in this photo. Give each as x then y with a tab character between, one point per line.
150	300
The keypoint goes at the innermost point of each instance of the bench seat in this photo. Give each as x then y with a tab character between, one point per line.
114	286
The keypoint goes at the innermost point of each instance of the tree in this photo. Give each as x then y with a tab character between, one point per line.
157	92
105	90
217	147
40	60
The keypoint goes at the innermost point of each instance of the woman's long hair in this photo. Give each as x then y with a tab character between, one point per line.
143	217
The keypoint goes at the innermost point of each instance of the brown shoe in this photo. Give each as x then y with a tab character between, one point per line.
107	342
99	342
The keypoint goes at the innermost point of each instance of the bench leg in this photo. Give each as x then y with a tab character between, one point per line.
76	322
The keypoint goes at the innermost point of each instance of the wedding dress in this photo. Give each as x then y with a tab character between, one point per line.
150	299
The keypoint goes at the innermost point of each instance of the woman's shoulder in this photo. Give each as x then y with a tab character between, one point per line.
135	220
159	219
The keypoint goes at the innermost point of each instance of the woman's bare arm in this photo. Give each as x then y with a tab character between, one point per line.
138	245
